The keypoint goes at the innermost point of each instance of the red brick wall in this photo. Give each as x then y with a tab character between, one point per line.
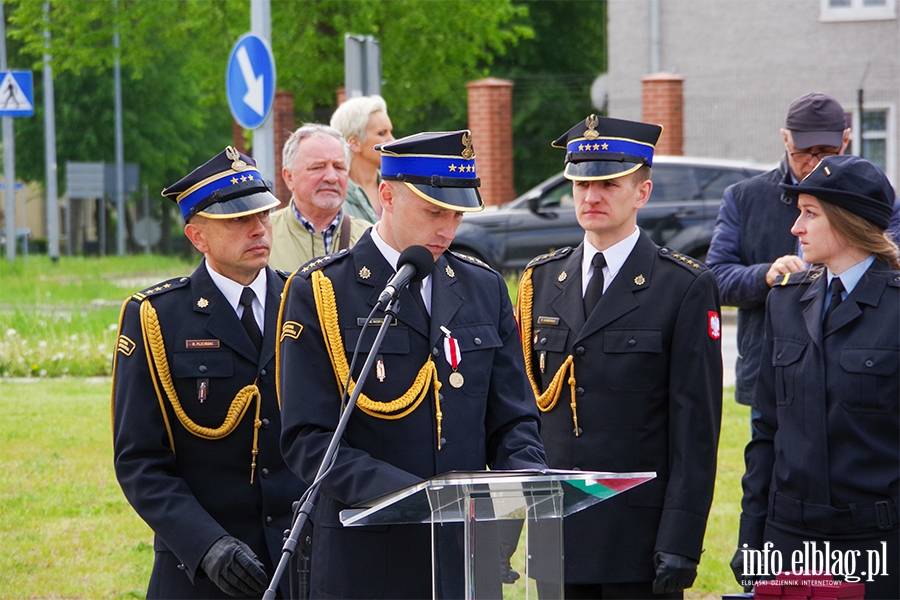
490	120
283	114
237	133
662	101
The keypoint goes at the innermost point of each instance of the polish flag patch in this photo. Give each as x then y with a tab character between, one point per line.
715	325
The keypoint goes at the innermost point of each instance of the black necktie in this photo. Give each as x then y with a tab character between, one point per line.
247	319
595	285
416	290
837	288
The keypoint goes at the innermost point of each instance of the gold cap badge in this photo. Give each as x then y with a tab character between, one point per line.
591	124
468	152
235	157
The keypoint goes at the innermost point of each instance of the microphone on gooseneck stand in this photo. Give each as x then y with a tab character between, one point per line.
414	265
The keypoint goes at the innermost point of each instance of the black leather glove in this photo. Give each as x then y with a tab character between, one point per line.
232	565
737	567
674	572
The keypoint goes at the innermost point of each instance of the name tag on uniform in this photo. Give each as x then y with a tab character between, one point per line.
548	320
192	344
373	322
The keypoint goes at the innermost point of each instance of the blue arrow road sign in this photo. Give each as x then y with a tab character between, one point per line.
250	81
16	94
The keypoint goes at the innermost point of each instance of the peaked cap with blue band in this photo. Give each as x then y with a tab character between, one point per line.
228	185
854	184
437	166
603	148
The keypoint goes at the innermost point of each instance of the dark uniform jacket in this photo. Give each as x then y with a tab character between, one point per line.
828	437
489	421
648	391
191	490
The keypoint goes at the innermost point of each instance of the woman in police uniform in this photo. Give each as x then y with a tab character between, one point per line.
824	461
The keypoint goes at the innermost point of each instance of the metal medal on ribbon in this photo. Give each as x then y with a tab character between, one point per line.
454	357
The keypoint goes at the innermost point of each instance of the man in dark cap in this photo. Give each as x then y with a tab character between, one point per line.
448	391
752	245
622	350
195	416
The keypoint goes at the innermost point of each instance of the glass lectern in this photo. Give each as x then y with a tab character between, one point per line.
476	519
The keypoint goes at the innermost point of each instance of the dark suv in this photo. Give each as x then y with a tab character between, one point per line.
680	214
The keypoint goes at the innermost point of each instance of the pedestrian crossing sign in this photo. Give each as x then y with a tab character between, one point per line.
16	94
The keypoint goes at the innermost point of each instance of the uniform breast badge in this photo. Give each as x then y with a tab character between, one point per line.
454	357
379	369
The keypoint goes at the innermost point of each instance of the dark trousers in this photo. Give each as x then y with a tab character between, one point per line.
787	539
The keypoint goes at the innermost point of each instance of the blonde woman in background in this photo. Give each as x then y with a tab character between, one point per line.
365	123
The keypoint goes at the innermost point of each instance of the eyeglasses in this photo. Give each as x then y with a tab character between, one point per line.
805	156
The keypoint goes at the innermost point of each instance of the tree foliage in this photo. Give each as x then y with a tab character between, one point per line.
430	48
173	55
552	72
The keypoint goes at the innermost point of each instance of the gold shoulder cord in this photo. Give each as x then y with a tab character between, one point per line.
326	307
548	399
284	295
156	359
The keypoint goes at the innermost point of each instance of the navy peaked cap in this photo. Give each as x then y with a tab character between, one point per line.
226	186
854	184
605	148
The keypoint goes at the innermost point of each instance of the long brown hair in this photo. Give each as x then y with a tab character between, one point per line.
862	234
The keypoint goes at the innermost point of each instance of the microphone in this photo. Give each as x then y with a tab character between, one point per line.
414	265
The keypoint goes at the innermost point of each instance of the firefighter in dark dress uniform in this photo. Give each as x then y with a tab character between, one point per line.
823	467
196	424
448	391
622	348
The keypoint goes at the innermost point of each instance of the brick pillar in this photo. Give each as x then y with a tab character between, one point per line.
283	115
662	100
490	120
237	134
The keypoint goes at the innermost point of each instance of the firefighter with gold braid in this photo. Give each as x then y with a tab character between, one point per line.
448	390
622	349
196	423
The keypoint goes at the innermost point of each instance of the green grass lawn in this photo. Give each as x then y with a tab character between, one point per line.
61	319
66	530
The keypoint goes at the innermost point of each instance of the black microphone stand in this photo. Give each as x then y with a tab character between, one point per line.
290	543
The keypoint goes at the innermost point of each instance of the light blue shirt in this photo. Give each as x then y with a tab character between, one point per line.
849	278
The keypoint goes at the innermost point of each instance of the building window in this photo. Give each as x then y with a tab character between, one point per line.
858	10
873	136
